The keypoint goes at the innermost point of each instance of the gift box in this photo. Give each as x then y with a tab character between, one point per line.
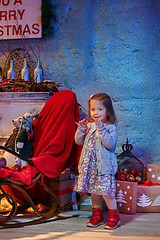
148	197
64	175
85	203
63	190
153	172
126	196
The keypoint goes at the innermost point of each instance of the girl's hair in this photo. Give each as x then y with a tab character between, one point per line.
107	102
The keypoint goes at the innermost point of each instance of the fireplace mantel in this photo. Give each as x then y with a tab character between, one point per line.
15	104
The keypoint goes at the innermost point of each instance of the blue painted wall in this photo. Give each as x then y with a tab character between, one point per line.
110	46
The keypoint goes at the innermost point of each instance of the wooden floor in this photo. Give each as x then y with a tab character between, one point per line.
71	224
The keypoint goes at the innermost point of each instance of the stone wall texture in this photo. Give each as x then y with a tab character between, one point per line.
110	46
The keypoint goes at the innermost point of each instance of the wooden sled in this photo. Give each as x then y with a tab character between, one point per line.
7	215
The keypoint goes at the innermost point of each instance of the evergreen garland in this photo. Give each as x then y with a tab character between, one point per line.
20	85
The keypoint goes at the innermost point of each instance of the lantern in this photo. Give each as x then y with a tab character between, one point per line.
126	160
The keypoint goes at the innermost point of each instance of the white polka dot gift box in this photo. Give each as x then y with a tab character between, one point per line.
126	196
153	172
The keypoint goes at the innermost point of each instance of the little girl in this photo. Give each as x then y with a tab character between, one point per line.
98	164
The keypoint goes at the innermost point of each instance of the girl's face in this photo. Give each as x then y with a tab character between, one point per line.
98	111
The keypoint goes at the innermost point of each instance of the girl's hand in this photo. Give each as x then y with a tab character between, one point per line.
99	124
82	125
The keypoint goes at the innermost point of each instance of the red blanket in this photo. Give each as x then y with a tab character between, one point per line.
53	145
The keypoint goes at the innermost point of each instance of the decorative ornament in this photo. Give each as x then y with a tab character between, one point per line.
38	72
11	72
132	171
139	174
125	171
138	179
25	71
122	177
130	178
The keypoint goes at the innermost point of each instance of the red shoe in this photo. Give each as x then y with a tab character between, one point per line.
113	219
96	219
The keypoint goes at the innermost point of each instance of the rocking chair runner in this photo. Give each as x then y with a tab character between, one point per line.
54	151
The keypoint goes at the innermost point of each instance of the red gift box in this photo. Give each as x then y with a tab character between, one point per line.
63	190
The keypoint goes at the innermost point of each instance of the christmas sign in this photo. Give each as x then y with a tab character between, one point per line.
153	172
126	196
20	19
148	198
